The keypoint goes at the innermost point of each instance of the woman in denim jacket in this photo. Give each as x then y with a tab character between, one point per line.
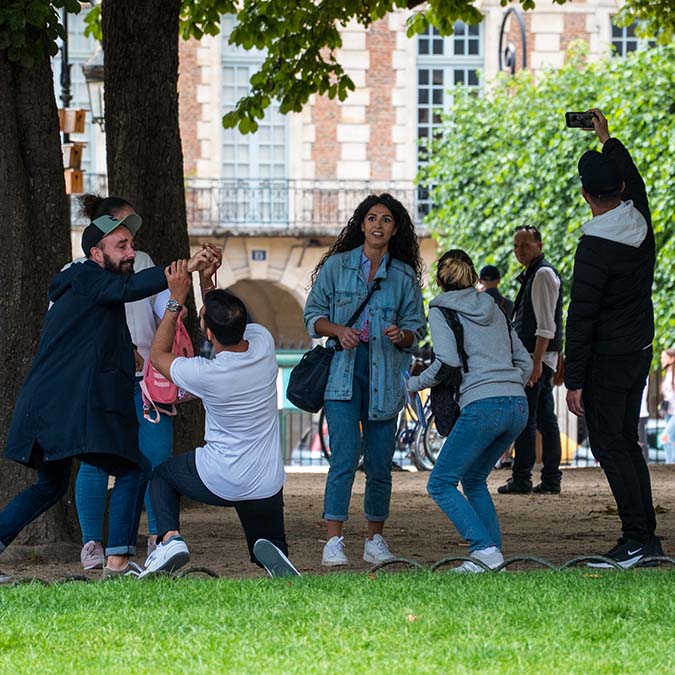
491	398
364	392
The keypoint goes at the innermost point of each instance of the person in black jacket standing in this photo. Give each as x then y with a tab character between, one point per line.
610	327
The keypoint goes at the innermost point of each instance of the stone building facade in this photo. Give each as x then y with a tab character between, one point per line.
276	199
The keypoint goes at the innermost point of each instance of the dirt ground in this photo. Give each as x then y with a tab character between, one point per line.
581	520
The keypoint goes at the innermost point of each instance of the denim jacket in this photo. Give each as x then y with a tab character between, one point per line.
336	294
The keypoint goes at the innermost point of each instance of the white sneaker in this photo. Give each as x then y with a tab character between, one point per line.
4	578
333	552
376	550
491	556
152	545
167	557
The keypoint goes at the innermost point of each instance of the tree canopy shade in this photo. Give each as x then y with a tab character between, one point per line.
507	159
300	38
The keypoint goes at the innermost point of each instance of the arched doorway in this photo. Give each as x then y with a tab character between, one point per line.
274	307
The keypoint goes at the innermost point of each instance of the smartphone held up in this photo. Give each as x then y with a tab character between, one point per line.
580	120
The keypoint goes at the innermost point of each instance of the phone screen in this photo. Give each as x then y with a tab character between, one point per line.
579	120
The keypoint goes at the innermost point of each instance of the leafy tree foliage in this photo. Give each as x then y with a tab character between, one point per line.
301	39
507	159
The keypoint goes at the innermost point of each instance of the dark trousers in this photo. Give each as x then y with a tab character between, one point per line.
542	418
612	396
260	518
53	479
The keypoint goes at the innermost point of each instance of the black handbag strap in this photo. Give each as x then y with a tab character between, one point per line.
361	307
456	327
375	287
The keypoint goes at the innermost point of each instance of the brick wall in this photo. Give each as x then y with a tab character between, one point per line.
574	29
325	149
380	113
189	110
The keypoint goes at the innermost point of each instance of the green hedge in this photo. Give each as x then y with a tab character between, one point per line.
506	158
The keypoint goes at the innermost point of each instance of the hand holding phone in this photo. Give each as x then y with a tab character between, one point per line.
580	120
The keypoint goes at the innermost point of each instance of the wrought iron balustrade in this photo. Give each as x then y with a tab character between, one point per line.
216	205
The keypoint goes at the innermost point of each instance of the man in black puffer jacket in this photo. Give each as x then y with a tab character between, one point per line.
610	327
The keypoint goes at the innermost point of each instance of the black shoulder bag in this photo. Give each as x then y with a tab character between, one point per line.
307	382
445	395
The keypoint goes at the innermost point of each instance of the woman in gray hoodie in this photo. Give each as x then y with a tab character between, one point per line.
491	398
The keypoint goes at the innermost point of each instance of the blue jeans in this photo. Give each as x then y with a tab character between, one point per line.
91	487
669	445
481	434
351	433
52	484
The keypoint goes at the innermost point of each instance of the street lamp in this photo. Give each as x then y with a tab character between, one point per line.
507	55
93	76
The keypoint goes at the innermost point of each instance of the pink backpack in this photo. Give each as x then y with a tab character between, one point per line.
155	388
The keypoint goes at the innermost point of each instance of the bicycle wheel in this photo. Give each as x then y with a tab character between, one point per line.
418	454
432	440
323	434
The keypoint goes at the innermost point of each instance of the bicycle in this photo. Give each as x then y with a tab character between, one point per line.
420	442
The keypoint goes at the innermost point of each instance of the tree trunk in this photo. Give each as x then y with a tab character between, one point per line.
145	158
35	226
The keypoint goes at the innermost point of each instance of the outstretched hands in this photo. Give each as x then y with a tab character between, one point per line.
178	279
216	257
205	258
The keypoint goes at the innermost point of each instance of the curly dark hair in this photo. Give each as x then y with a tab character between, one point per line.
403	245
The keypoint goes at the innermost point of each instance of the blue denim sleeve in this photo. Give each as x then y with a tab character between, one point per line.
411	313
319	300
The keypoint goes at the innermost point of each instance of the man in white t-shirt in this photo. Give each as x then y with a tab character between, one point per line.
240	465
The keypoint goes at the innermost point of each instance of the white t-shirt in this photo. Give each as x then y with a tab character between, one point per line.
242	456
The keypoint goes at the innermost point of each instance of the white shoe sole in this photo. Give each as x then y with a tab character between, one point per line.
175	562
334	563
625	564
376	561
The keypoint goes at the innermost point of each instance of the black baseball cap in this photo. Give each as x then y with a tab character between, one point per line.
600	175
104	225
489	273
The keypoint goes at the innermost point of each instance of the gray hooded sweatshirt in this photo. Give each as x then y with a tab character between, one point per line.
497	366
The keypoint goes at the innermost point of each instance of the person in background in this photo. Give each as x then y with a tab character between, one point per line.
537	318
490	278
365	388
492	402
667	403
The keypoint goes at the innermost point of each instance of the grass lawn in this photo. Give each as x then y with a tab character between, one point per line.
536	622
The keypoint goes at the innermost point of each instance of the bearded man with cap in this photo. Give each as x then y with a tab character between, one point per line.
610	327
78	398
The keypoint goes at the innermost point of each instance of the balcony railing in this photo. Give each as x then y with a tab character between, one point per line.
302	207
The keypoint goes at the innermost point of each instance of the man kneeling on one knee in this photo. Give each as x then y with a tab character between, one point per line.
240	465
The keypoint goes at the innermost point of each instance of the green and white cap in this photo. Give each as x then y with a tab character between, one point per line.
104	225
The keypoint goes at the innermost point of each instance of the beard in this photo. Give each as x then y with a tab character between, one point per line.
126	267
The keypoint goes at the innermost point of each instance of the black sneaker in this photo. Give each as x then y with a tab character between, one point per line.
547	489
513	487
653	549
273	559
627	553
